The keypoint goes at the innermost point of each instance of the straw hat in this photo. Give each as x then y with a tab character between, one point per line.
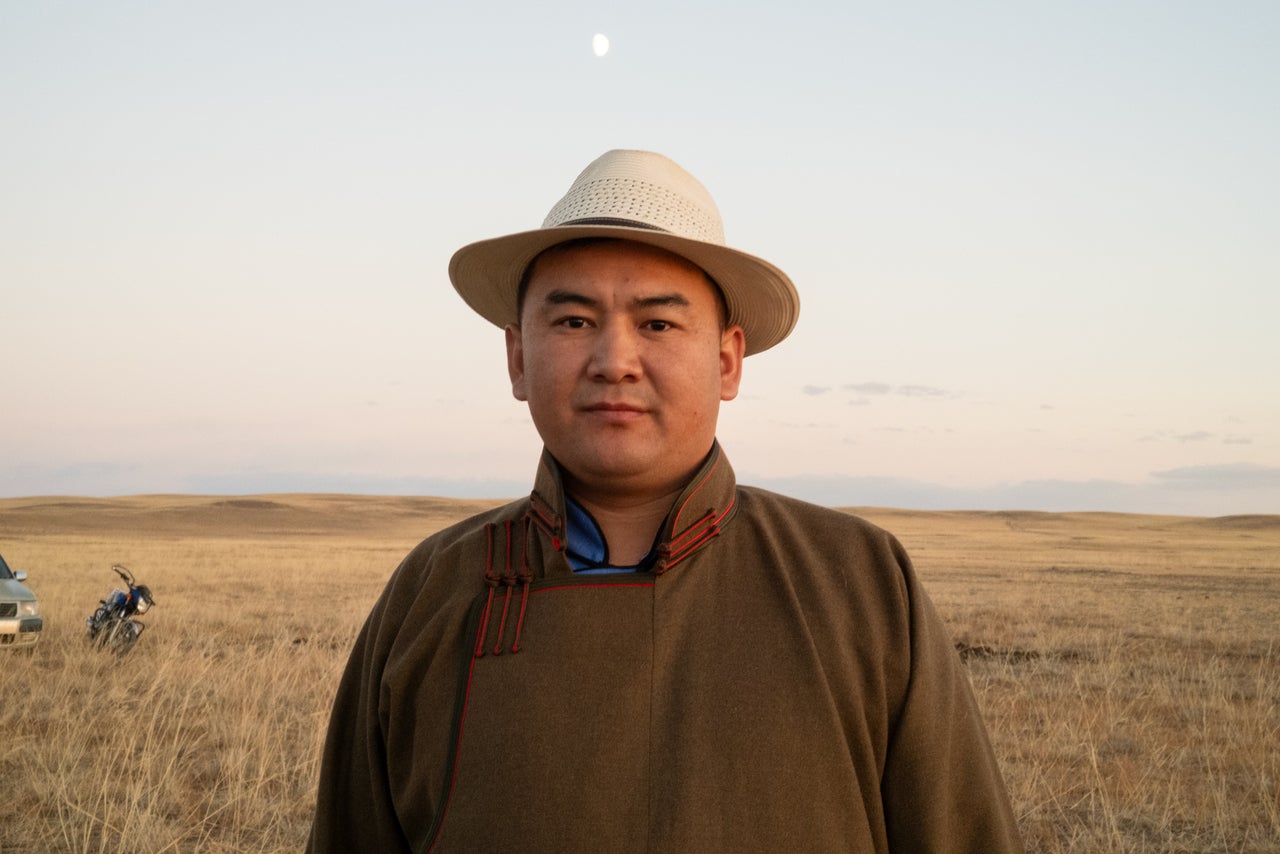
647	198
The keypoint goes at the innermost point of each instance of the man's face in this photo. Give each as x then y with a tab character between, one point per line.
621	357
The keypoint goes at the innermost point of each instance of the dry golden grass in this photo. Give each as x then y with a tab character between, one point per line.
1126	666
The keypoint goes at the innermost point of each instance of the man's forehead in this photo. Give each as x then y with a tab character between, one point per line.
585	265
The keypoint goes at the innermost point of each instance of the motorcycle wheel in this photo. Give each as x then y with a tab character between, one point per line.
111	634
126	635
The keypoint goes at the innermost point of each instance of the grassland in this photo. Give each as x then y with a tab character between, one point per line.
1127	667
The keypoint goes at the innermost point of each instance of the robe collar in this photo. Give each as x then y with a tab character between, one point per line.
703	508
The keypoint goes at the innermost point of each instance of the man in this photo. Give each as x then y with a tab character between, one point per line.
642	655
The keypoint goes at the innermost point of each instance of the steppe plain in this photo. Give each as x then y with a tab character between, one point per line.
1127	666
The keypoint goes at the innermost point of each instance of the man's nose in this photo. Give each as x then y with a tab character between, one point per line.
615	357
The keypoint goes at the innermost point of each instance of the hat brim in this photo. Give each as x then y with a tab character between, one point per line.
760	297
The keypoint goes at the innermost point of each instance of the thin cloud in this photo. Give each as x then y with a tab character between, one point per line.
920	391
877	389
868	388
816	390
1197	436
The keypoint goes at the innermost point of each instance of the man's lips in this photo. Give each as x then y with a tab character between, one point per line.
614	407
615	412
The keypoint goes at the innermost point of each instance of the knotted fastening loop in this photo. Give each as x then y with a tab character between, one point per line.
491	581
688	541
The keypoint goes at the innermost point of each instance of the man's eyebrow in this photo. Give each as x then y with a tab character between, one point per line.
562	297
661	301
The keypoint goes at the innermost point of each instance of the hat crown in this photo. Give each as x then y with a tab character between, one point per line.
639	189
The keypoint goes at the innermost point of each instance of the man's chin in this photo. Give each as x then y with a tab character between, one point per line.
634	477
617	468
610	465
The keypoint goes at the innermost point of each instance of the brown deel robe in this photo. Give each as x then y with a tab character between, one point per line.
778	682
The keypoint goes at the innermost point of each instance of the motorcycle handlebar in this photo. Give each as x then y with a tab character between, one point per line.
124	573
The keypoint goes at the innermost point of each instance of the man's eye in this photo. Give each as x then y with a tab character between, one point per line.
658	325
574	322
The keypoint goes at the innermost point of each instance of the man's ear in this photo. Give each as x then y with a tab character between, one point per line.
515	361
733	343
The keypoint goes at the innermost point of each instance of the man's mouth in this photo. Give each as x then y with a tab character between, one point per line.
615	407
616	412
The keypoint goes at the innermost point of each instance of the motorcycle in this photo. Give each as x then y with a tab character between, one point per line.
114	625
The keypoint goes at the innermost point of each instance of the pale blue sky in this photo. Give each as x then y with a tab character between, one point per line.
1034	242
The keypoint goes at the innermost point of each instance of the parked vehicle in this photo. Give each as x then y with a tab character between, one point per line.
20	620
115	624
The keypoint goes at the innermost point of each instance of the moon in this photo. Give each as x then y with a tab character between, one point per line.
599	44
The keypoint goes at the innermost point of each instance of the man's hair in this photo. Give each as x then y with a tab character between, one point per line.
722	307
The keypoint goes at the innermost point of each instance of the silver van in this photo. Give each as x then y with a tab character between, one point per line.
20	621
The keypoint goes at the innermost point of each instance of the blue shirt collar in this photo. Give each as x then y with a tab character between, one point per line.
587	550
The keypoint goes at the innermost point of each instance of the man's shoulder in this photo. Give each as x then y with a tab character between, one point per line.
855	566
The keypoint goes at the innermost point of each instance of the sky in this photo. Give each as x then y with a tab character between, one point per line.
1035	243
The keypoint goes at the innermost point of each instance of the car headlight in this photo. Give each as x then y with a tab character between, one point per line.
29	609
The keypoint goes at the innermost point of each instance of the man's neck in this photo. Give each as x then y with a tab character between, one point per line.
629	527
